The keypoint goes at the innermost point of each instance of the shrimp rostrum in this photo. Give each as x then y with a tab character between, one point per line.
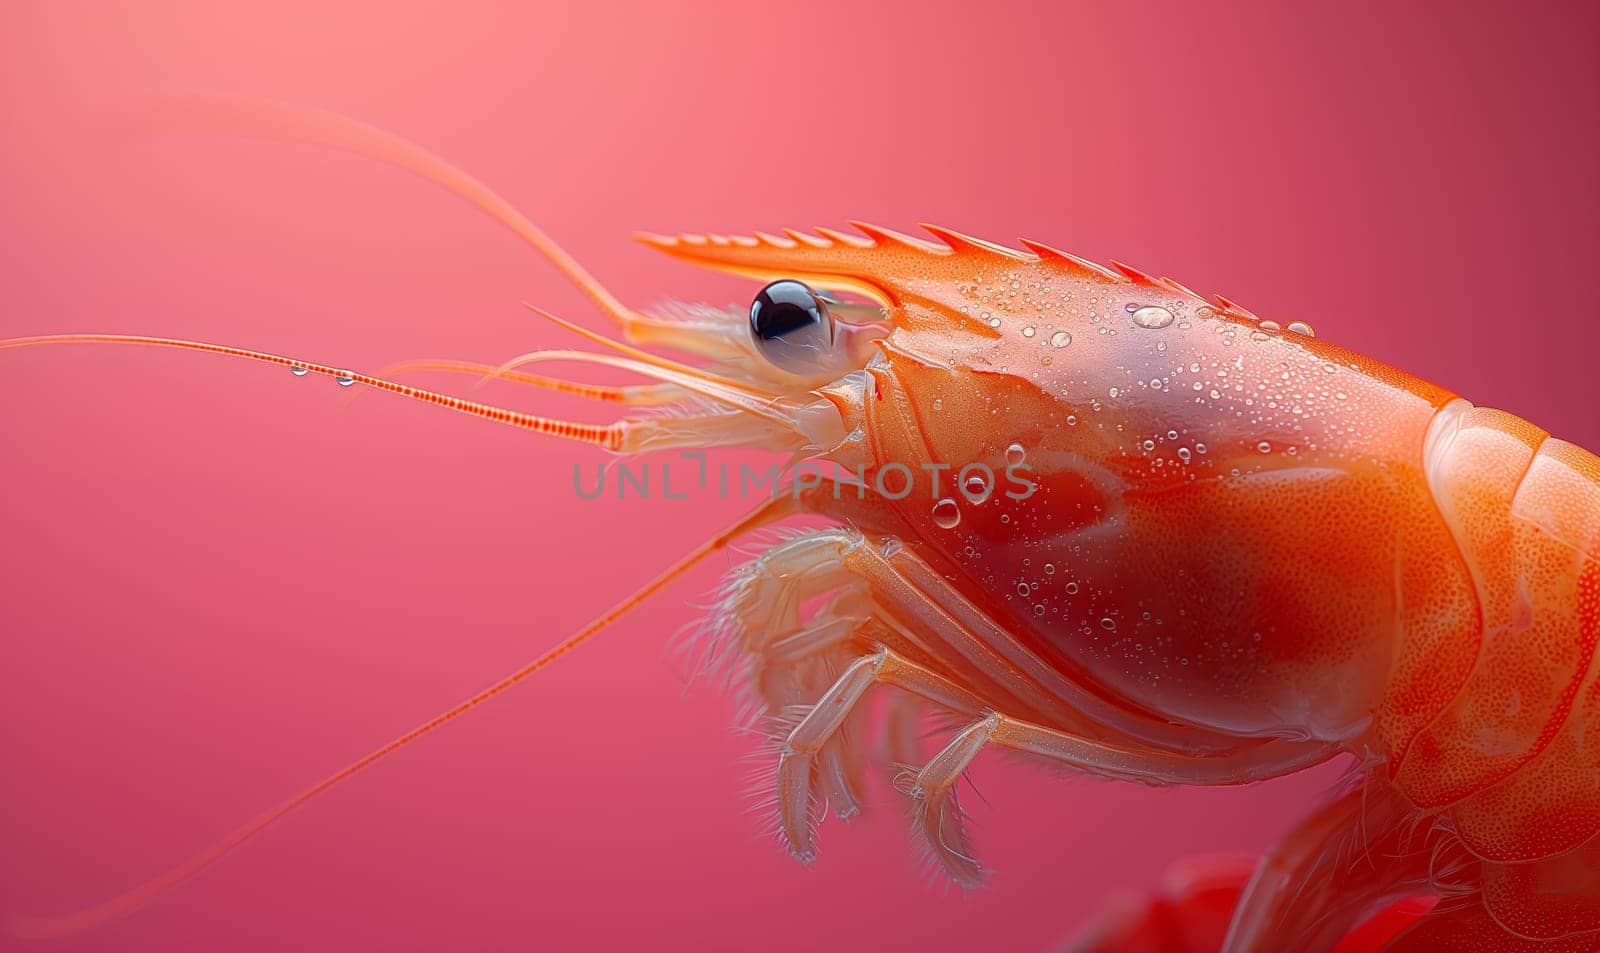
1089	517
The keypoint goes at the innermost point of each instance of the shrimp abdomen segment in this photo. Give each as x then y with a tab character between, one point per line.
1524	511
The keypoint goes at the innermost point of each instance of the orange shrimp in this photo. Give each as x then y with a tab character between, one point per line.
1143	536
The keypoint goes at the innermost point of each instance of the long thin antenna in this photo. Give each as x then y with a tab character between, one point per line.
278	121
41	927
635	395
608	436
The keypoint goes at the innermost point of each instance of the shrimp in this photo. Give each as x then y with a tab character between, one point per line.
1086	516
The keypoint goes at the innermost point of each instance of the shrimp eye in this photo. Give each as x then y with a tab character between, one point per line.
792	328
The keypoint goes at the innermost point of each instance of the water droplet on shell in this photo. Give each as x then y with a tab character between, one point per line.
1152	316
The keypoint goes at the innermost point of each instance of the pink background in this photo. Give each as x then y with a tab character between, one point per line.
221	583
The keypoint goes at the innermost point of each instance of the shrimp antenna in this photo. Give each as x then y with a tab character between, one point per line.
635	394
608	436
42	927
294	124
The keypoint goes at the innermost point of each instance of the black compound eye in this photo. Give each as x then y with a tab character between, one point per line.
791	327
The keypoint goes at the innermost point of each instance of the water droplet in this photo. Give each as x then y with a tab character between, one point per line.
299	371
1152	316
1183	454
975	486
891	546
1072	588
1022	589
1132	307
1028	331
1108	623
1114	392
1060	339
1300	327
1264	447
938	403
1049	569
1016	453
994	322
946	514
1149	445
345	380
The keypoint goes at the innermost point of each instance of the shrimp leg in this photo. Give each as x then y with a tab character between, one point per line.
1349	859
920	614
1359	853
939	816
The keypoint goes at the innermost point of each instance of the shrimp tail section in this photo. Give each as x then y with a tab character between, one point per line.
1508	760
